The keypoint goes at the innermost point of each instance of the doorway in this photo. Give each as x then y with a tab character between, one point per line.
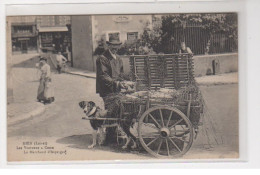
24	46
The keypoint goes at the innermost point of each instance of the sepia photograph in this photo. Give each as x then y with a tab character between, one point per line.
122	87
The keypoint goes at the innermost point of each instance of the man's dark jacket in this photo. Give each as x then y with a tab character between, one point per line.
108	73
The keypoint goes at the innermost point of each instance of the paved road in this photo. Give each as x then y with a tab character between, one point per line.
62	127
60	117
220	128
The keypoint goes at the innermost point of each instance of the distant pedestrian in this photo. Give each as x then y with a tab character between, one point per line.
45	91
61	61
185	49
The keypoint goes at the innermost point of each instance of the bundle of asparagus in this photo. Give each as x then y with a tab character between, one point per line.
130	87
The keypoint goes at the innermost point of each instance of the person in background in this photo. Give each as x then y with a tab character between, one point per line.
45	92
68	53
61	60
184	49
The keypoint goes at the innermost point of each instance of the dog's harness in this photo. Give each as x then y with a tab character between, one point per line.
92	112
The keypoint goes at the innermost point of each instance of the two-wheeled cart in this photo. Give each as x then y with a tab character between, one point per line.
167	103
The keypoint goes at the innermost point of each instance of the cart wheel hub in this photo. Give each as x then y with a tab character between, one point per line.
164	132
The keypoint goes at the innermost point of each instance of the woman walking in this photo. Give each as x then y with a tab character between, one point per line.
45	91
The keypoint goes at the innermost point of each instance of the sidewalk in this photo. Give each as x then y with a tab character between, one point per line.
24	106
228	78
18	112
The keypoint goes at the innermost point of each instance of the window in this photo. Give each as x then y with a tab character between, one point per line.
132	36
46	39
22	29
46	36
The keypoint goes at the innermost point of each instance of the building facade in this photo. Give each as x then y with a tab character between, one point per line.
126	28
82	44
24	34
54	32
88	32
32	34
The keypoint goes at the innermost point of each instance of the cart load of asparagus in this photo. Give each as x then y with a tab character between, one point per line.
164	100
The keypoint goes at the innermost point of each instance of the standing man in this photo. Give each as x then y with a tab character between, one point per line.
61	60
109	67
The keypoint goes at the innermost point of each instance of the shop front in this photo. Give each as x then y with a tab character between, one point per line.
24	38
54	39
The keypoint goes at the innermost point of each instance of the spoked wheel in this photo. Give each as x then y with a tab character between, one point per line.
165	132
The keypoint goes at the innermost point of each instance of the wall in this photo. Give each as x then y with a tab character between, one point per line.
57	20
81	28
103	24
228	63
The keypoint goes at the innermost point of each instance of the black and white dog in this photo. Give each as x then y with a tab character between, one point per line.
93	111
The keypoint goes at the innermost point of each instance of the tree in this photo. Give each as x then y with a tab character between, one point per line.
151	37
168	36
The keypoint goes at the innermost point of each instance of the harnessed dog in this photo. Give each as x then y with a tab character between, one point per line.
93	111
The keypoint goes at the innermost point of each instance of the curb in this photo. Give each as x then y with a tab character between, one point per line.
18	119
79	74
215	83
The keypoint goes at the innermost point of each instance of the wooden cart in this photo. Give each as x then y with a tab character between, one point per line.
166	126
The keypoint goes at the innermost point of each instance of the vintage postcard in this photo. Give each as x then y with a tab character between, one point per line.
122	87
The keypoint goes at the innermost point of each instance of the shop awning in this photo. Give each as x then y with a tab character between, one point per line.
53	29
